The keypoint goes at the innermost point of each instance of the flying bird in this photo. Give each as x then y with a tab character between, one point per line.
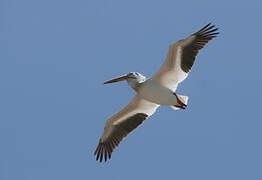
151	93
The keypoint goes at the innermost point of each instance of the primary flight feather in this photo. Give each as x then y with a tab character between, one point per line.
151	93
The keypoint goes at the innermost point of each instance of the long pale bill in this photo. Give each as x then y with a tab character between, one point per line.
122	78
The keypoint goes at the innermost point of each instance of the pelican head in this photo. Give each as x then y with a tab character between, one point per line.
134	79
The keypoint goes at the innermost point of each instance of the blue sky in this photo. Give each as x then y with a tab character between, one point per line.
55	55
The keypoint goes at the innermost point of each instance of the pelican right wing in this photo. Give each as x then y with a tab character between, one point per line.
121	124
181	57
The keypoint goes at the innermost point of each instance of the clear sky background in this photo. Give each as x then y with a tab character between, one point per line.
55	55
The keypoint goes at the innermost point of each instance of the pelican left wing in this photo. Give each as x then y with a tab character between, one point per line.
181	57
121	124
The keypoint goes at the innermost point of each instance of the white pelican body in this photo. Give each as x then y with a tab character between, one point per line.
158	90
154	92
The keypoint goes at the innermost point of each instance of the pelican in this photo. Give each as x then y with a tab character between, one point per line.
151	93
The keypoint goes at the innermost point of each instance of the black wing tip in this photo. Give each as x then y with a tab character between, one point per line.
105	148
199	40
103	152
209	30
